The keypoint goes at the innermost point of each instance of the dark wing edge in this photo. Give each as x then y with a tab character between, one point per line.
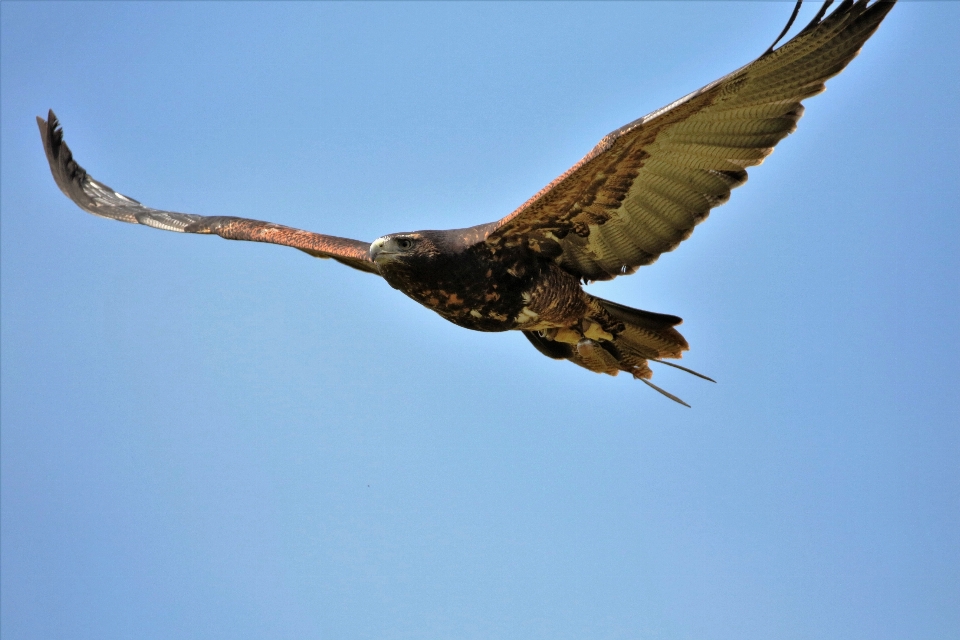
97	198
641	191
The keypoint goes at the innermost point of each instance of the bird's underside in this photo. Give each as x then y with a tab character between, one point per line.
637	194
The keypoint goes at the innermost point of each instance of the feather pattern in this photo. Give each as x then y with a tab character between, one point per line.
97	198
643	188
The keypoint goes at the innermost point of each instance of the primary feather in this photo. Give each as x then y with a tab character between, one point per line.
643	188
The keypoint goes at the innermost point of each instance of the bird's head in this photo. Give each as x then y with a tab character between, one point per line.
416	260
403	248
400	256
411	249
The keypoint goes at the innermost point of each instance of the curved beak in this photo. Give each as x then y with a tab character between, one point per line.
382	250
375	248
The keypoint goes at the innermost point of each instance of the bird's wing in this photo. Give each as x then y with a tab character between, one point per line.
644	187
99	199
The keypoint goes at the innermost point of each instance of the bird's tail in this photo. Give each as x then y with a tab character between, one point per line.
615	338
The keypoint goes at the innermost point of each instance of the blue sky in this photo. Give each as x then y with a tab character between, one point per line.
211	439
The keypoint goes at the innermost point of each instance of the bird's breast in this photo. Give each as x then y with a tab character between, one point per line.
479	292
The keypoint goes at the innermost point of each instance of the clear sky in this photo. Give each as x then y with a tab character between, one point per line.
211	439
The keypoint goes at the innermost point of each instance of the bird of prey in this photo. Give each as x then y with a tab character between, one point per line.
637	194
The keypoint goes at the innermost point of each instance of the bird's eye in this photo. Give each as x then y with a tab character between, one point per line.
404	243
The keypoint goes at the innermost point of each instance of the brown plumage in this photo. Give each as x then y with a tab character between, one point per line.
637	194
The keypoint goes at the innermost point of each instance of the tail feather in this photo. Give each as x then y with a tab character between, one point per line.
646	335
637	337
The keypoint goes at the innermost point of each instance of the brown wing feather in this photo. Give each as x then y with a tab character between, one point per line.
99	199
643	188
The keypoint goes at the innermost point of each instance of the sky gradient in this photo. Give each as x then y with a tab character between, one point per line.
211	439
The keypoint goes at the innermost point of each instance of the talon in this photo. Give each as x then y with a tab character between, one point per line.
570	336
594	331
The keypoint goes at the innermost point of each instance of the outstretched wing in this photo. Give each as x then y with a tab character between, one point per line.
644	187
99	199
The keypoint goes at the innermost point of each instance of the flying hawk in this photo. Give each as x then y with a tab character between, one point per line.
638	193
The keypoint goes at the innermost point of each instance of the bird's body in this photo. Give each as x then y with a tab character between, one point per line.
639	193
478	288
